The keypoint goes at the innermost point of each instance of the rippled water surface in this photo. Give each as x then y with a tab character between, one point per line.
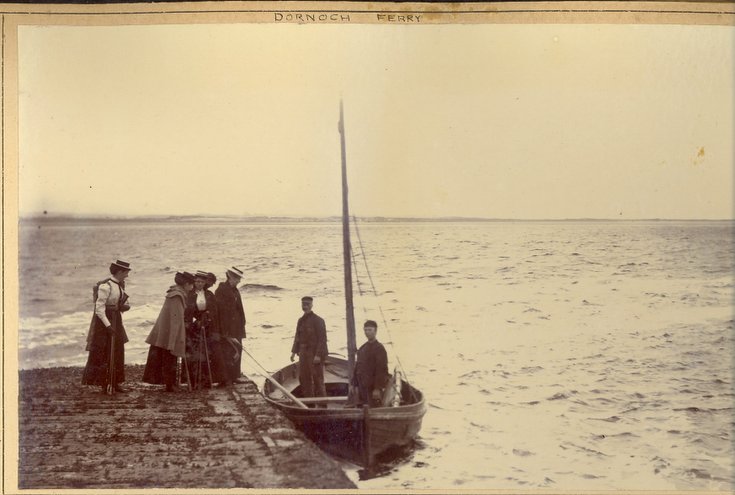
560	355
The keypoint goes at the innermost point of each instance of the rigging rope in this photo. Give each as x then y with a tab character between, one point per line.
357	277
375	294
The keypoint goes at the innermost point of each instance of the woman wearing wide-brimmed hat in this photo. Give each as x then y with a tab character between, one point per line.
168	336
202	328
106	337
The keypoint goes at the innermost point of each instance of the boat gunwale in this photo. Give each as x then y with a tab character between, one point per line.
413	410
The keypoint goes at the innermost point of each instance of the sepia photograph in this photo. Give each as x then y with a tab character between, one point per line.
382	247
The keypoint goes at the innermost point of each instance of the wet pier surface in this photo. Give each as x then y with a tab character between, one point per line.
73	436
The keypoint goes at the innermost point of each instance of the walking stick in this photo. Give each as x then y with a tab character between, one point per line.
199	357
178	373
188	378
111	372
209	366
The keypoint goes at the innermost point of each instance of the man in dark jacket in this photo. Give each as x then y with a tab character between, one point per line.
231	324
371	369
310	343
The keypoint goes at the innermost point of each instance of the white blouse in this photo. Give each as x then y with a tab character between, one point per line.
107	295
201	300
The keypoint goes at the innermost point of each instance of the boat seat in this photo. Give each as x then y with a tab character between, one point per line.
317	400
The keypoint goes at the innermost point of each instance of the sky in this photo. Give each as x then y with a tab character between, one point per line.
494	121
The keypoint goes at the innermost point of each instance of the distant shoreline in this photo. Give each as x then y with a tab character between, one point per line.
71	219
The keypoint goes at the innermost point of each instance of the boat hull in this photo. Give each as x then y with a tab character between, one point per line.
357	434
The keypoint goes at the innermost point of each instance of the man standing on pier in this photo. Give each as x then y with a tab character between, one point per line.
310	343
232	325
106	338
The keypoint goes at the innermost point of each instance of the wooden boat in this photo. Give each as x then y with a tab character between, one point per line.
358	434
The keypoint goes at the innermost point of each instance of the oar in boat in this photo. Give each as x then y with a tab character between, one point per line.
273	380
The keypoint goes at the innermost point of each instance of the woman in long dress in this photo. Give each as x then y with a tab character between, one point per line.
110	300
168	336
202	327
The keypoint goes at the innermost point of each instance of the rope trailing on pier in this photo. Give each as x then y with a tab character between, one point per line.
268	377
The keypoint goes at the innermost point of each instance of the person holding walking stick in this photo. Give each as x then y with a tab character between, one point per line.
106	338
168	336
202	324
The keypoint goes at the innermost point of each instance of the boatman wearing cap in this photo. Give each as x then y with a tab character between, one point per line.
371	369
231	325
310	343
110	301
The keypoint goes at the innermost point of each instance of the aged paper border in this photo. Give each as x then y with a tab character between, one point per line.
14	15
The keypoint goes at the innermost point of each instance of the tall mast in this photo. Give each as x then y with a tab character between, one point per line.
349	308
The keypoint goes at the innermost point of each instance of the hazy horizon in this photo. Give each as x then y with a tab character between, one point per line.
337	218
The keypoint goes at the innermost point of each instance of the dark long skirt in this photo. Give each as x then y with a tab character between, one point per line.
203	357
160	367
229	354
218	361
97	370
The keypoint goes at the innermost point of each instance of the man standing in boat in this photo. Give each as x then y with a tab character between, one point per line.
310	343
232	325
371	369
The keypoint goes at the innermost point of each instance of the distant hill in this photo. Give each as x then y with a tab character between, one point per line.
96	219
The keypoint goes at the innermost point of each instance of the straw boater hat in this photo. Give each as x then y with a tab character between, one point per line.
121	264
235	272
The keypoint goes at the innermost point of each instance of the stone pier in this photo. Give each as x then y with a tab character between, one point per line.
74	436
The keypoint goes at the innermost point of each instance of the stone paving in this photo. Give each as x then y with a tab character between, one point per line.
73	436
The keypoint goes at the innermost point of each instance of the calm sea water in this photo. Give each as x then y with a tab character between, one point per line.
559	355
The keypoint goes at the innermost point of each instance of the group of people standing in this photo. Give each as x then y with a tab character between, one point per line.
202	328
205	331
